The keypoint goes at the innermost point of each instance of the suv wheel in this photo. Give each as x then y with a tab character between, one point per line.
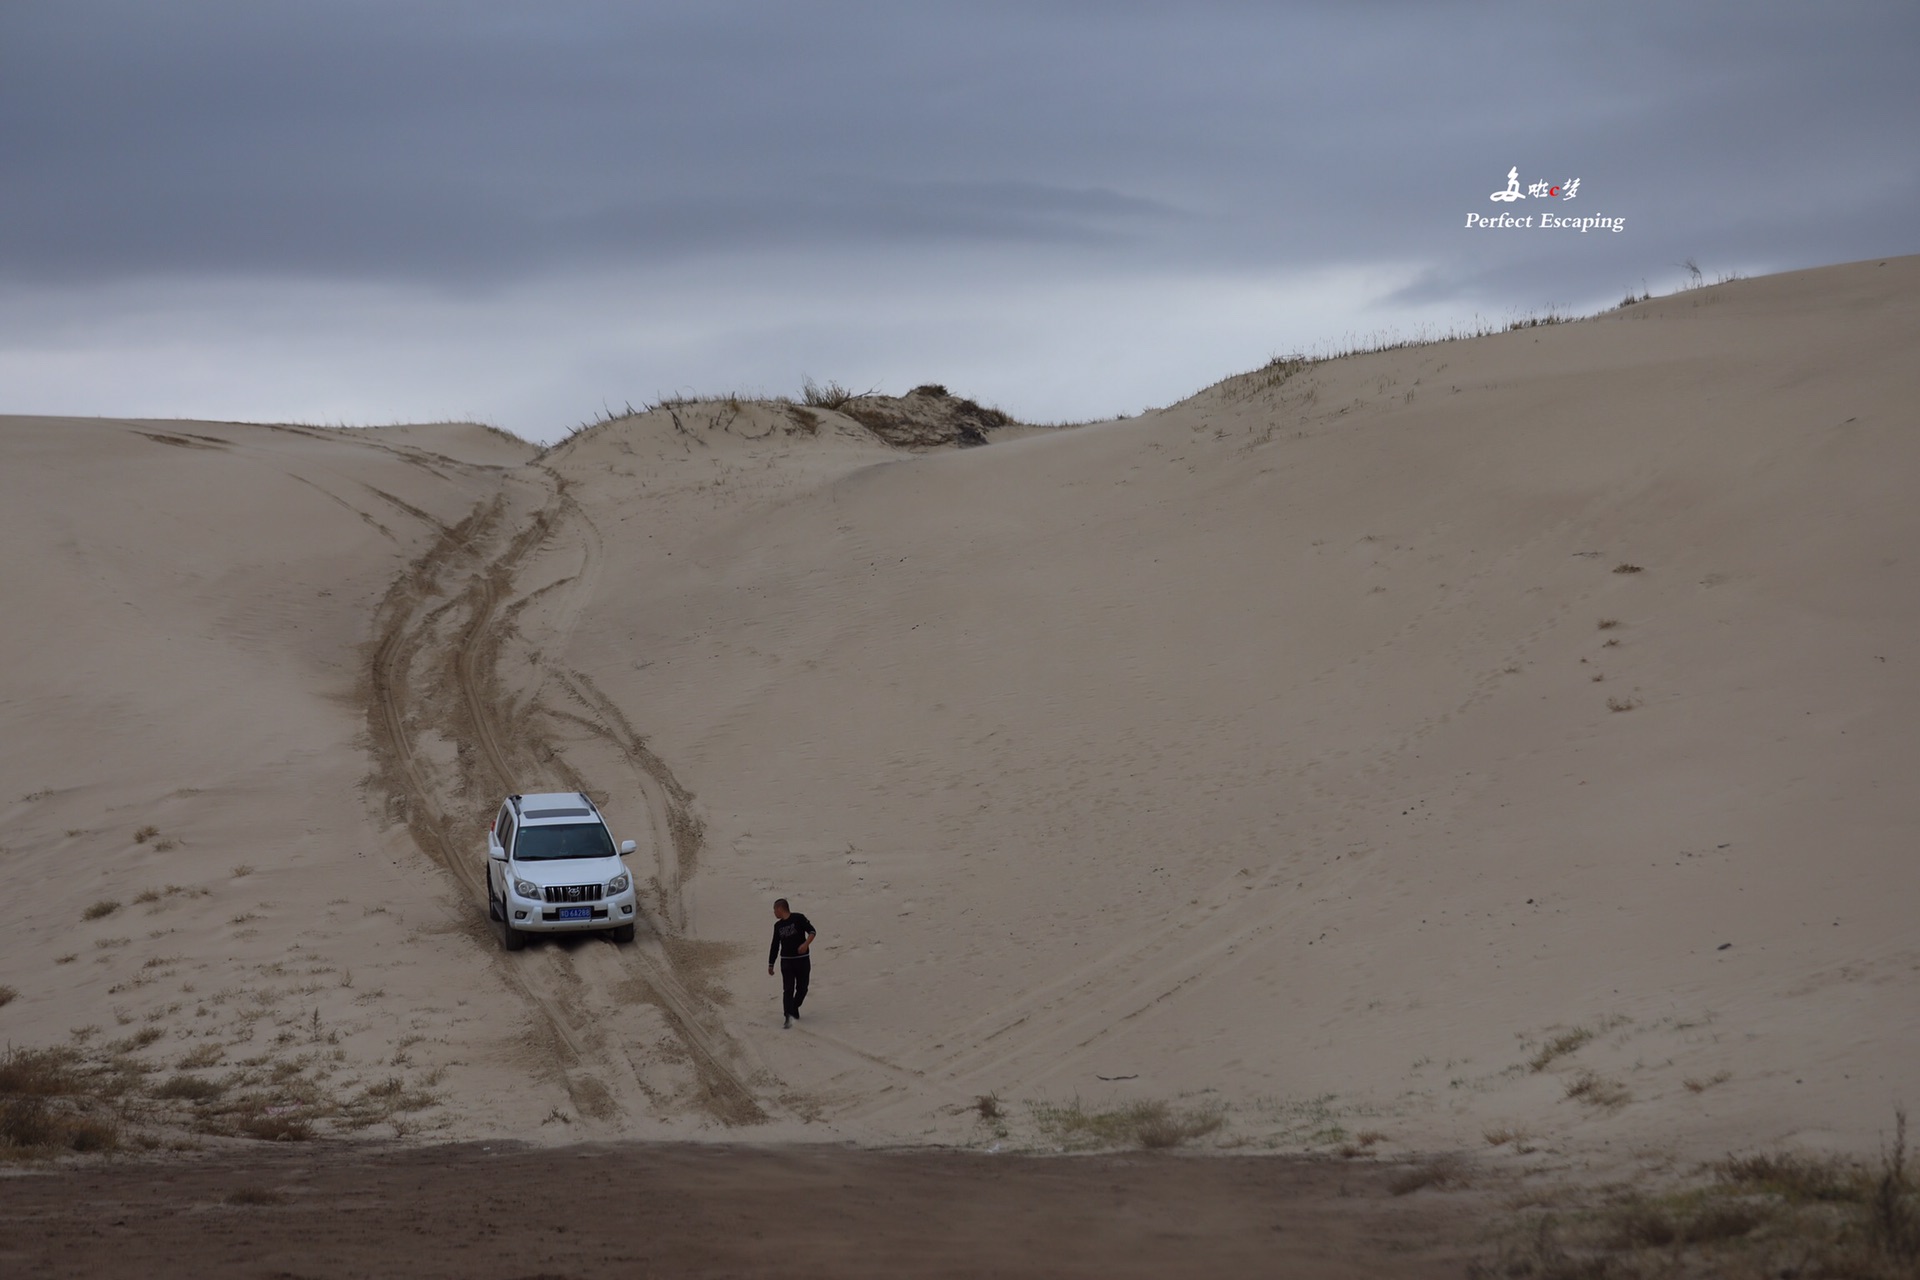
621	933
510	938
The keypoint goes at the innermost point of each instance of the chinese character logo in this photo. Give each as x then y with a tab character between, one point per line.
1537	190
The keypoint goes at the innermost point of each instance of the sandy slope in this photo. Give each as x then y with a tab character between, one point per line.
1259	750
1254	755
183	734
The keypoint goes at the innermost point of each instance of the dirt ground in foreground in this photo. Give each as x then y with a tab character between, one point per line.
502	1210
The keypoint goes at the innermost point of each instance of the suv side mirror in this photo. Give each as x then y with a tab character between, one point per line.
626	847
496	852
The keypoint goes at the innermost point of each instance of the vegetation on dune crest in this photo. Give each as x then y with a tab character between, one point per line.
927	417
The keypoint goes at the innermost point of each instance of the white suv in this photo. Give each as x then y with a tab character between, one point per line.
552	868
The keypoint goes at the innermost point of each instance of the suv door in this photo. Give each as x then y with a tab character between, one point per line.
500	842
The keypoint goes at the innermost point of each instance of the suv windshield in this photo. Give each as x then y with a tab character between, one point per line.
566	840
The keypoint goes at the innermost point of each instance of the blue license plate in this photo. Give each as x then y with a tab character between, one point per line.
576	913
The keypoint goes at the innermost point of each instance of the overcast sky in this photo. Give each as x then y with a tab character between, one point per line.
373	211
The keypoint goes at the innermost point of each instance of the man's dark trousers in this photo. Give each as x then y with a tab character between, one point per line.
794	972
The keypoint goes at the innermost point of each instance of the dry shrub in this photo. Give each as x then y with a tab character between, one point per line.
1559	1047
33	1124
145	834
1796	1177
281	1128
207	1055
1172	1128
1598	1091
830	396
920	421
7	995
100	910
1152	1124
190	1089
43	1073
988	1105
1893	1223
1782	1214
138	1040
1642	1225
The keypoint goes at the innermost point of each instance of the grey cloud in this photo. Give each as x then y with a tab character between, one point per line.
441	142
462	149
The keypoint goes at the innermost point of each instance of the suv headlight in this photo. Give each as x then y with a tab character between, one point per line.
526	889
619	883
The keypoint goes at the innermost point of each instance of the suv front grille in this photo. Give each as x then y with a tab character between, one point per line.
573	893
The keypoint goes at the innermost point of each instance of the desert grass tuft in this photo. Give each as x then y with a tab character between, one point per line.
277	1128
830	396
34	1124
1559	1047
1597	1091
48	1104
140	1039
207	1055
40	1073
1796	1177
190	1089
1893	1223
1770	1214
1642	1224
100	910
1173	1128
1154	1124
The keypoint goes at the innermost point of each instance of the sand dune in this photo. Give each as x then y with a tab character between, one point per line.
1495	737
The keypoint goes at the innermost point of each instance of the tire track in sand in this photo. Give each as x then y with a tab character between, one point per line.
723	1093
401	634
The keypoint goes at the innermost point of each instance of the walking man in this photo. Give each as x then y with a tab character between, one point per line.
792	937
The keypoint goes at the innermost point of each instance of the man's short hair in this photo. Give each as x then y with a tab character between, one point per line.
781	902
